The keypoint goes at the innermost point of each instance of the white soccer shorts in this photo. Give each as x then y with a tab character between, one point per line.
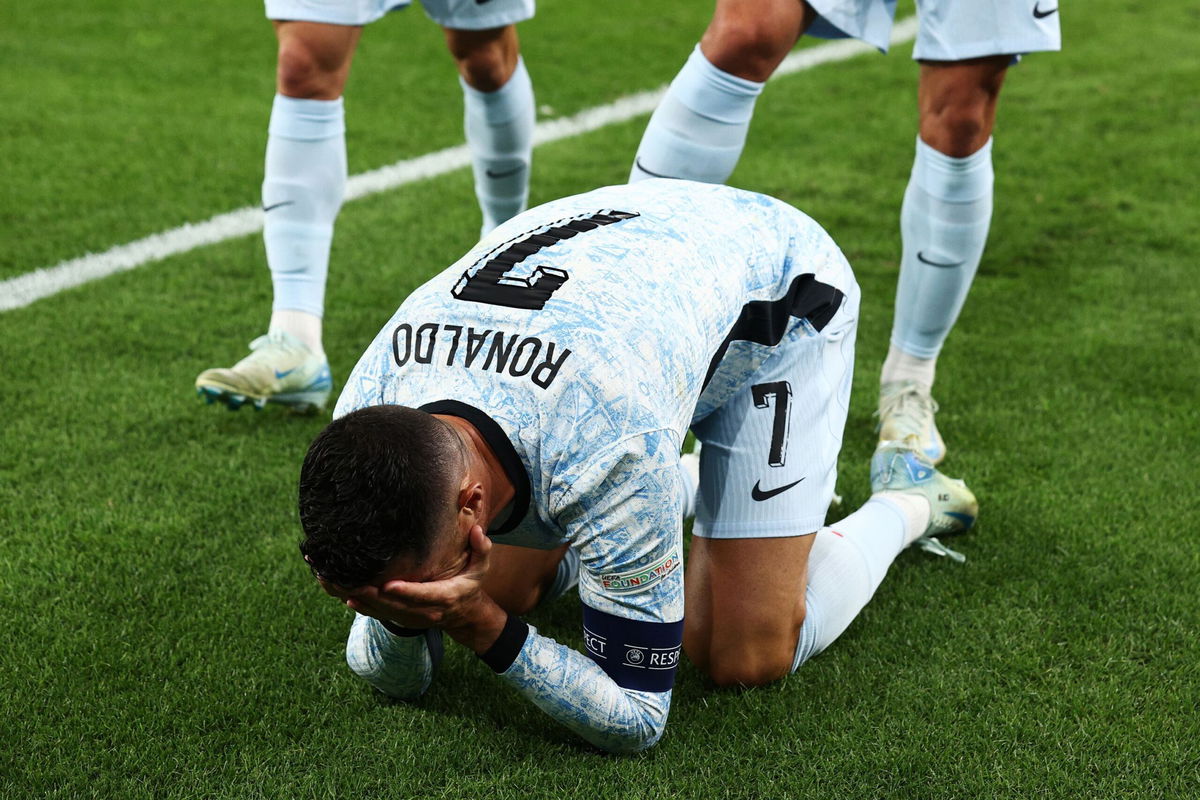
950	30
459	14
768	464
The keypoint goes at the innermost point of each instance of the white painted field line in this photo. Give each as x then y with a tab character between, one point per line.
25	289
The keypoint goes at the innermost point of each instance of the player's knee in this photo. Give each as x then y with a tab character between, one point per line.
302	73
485	59
748	669
751	657
484	71
748	47
956	130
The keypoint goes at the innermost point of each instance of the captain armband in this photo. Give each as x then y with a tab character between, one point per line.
636	655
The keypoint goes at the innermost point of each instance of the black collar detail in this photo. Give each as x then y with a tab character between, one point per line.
498	440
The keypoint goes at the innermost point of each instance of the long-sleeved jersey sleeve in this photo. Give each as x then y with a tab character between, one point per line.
624	514
399	666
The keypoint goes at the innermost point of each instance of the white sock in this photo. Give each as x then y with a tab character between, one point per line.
847	563
304	326
944	225
499	127
698	130
302	191
900	366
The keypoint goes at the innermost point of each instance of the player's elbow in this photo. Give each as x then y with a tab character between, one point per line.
632	739
403	675
637	727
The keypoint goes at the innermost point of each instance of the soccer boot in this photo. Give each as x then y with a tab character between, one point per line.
907	409
280	369
899	466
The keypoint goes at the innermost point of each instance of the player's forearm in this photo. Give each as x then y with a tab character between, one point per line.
576	692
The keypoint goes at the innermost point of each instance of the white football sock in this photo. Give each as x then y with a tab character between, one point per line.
698	130
847	563
302	191
900	366
944	225
304	326
499	127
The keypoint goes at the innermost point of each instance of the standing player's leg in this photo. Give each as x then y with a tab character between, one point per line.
948	203
944	224
698	130
303	185
498	118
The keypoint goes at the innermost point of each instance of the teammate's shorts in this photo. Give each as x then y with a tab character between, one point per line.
768	464
950	30
460	14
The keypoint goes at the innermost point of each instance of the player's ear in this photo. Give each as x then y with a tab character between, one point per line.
470	498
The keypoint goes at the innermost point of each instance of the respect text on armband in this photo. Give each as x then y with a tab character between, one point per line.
484	349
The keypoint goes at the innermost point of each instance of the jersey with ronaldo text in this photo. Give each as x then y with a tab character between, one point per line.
582	338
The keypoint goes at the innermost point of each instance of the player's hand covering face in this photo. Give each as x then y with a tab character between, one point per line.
437	596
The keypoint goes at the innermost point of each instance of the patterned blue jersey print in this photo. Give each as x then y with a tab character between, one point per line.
593	330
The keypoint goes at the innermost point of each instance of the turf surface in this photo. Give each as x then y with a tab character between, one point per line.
163	639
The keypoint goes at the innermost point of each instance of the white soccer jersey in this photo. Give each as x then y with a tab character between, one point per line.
582	338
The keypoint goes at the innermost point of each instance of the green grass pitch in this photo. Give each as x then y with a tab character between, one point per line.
161	637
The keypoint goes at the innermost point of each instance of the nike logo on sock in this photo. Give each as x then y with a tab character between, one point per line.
944	264
1039	14
277	205
760	494
637	162
505	174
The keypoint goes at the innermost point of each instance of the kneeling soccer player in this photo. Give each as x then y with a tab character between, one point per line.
516	426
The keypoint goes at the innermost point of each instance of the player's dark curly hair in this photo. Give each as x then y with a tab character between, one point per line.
376	484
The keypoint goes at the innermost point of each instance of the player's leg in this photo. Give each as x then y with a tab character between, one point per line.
768	467
944	224
758	608
498	118
698	130
744	606
947	206
303	185
762	598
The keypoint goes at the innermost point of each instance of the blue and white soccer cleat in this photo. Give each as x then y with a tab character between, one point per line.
900	467
280	369
906	409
